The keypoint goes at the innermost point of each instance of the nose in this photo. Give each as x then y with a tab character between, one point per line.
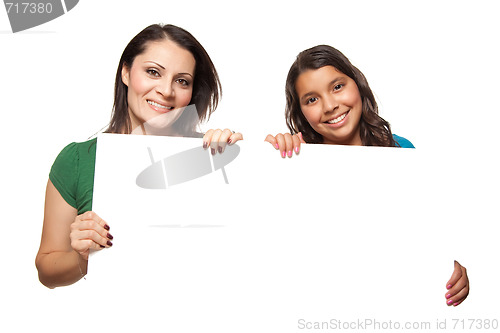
165	88
330	103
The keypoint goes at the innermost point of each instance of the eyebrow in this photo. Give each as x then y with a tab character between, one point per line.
307	95
157	64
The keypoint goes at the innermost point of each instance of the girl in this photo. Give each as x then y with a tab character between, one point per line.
329	101
165	84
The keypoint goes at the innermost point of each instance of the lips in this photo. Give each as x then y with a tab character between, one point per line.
159	107
338	120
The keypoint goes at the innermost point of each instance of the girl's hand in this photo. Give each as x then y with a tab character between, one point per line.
89	231
458	286
286	143
218	139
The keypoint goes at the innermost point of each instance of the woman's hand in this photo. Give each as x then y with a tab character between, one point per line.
286	143
458	286
89	231
218	139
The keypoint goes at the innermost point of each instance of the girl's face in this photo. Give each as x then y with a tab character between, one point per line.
331	103
160	84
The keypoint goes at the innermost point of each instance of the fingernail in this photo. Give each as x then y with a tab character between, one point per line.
289	153
296	150
109	236
276	146
455	304
229	141
448	296
220	150
109	243
213	151
448	286
205	145
283	154
449	301
102	246
106	227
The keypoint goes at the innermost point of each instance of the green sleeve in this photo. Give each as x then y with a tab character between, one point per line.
64	173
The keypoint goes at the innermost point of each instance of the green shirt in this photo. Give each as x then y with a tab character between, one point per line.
73	174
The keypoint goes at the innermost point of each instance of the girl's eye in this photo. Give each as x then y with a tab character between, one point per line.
153	72
311	100
338	87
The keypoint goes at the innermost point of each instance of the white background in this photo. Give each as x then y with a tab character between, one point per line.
433	66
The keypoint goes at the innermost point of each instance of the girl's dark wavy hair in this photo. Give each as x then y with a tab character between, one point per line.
206	87
374	130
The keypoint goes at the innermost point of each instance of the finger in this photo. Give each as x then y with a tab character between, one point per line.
207	138
83	246
461	285
234	138
289	144
301	138
459	297
214	144
280	138
90	215
92	225
296	144
89	234
272	140
457	274
223	139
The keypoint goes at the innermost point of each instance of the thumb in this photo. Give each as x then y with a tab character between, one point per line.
457	274
300	137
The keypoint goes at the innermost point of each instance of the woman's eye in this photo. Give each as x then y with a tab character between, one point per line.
153	72
183	82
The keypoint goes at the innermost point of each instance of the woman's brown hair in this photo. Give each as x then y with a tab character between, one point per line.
374	130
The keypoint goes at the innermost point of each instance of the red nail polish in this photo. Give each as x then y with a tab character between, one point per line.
106	227
109	236
109	243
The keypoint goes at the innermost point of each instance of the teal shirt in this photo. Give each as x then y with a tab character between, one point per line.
73	174
402	142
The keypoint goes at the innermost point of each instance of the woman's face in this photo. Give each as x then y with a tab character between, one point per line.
331	103
160	84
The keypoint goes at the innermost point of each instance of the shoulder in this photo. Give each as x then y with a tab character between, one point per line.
74	150
65	171
402	142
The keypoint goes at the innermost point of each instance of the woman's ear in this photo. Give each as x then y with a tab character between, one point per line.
125	75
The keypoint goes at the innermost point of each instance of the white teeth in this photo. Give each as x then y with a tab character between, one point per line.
338	119
160	106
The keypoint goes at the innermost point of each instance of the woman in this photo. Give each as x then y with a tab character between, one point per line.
329	101
165	84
